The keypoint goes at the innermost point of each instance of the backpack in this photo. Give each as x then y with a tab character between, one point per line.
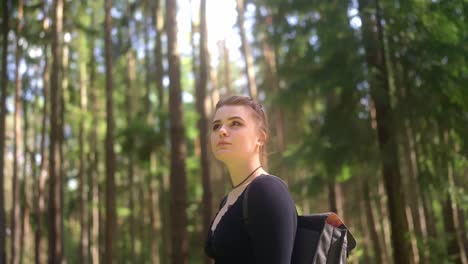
317	240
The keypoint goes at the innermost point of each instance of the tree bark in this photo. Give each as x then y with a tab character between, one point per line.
93	194
160	190
40	189
245	47
178	148
454	249
203	123
55	228
109	145
130	166
159	25
3	113
226	67
16	210
373	44
82	171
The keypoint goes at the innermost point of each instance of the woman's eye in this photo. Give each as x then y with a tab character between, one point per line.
236	123
215	126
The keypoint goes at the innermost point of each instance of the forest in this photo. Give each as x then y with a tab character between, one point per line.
106	108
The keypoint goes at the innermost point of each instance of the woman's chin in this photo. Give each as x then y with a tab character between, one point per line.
223	156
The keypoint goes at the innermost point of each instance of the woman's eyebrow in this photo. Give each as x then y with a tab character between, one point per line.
234	117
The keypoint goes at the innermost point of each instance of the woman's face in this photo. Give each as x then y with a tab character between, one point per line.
235	133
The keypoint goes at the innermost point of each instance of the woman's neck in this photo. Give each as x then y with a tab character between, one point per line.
239	172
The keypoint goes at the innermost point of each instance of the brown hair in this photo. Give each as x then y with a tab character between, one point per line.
258	112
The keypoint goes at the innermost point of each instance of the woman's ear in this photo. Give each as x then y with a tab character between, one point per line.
262	138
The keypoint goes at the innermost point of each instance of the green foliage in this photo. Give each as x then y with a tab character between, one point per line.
140	139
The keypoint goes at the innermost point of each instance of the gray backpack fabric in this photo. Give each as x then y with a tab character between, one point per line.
316	242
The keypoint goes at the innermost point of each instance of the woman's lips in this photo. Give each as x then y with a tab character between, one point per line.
223	143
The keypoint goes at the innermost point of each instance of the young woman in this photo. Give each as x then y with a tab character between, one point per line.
239	132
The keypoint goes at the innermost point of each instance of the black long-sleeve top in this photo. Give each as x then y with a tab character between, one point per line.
267	238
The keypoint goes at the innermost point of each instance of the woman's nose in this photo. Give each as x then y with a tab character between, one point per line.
222	131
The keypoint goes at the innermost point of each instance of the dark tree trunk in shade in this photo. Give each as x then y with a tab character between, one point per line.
110	215
55	213
3	83
203	122
379	87
178	149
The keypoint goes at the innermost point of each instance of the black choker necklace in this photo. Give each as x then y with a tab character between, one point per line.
247	177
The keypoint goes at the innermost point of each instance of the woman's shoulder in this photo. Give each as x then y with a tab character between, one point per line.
268	180
268	183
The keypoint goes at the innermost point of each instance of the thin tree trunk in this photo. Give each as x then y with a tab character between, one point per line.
142	233
178	148
371	223
373	42
203	123
109	145
55	229
93	193
39	202
454	250
3	83
249	67
367	242
163	182
154	212
272	80
130	168
383	225
158	22
82	172
147	57
16	210
25	201
224	52
418	217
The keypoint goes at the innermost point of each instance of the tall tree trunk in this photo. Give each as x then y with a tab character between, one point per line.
226	67
130	168
16	210
93	193
178	148
83	171
249	67
272	80
155	215
203	122
25	201
55	229
364	223
40	189
3	83
162	181
158	22
373	43
109	146
413	190
371	223
335	196
454	249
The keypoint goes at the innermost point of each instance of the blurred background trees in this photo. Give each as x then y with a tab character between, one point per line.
106	105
